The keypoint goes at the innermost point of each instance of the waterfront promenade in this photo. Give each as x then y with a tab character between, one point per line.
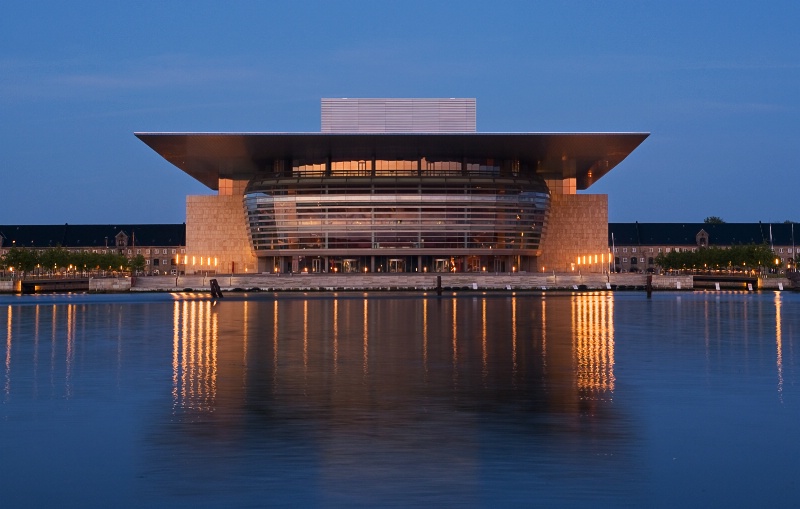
397	281
428	282
405	281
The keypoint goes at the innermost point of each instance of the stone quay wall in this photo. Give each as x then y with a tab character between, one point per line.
111	284
424	282
427	281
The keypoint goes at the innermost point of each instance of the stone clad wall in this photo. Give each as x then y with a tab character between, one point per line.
111	284
406	281
216	227
577	226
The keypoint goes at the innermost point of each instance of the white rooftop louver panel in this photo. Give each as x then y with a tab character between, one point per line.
362	115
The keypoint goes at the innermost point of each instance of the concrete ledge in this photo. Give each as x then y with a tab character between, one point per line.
121	284
774	283
328	282
419	282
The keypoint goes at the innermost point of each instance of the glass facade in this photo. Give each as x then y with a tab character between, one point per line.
397	208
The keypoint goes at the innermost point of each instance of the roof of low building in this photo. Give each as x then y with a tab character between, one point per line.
91	235
681	234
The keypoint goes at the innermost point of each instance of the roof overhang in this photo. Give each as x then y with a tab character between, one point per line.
210	156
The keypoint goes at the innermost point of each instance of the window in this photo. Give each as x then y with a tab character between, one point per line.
650	261
183	251
668	250
147	262
633	250
780	250
155	261
616	250
138	251
173	251
624	249
634	260
164	252
650	250
624	260
129	251
659	250
147	251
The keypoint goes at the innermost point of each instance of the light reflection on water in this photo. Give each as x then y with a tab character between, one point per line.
399	399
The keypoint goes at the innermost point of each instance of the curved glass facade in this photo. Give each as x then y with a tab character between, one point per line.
397	208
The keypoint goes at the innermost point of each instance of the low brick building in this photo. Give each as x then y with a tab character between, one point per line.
163	246
635	246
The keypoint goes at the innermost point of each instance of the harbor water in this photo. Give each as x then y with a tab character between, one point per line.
471	399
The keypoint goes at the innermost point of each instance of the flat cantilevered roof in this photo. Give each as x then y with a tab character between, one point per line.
210	156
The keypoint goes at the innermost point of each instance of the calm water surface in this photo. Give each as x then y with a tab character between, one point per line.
398	400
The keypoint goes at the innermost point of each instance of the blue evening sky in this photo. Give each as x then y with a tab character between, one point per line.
716	83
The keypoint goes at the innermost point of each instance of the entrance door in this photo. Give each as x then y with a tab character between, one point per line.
397	265
499	265
316	265
441	265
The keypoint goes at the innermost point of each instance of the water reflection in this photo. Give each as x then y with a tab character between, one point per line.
381	399
194	355
779	342
593	326
7	385
496	345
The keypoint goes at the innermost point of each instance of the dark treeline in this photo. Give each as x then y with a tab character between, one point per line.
735	258
26	261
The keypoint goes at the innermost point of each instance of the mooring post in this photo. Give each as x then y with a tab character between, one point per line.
216	292
439	285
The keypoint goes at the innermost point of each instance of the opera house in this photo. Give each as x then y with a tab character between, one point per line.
396	185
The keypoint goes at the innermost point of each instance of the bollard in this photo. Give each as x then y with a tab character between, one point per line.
439	285
216	292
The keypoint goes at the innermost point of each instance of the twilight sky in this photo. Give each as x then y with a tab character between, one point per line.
717	84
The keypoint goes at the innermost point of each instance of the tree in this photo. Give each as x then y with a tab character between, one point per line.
54	259
137	263
713	220
21	259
